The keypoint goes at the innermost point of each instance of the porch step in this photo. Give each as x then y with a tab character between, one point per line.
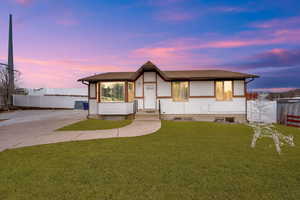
147	112
146	115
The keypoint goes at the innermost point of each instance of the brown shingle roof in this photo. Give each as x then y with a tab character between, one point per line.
170	75
206	74
109	76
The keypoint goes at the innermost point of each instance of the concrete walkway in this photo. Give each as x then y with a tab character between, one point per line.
32	133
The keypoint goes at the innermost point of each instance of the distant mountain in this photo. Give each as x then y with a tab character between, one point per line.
288	94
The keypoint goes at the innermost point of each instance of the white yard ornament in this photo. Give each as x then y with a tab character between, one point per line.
269	130
262	129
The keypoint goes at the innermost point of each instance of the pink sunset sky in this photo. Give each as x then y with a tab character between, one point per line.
55	44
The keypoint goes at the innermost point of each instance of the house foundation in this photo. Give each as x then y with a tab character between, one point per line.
237	118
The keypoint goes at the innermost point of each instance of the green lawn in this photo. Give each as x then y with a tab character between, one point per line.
95	124
183	160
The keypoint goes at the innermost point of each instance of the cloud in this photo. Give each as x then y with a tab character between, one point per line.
156	52
278	23
175	15
67	22
78	65
57	73
275	58
242	39
230	9
163	2
247	39
175	54
24	2
66	18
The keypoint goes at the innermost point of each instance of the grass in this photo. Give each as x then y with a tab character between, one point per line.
95	124
183	160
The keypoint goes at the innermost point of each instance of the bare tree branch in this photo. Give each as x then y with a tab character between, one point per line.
4	84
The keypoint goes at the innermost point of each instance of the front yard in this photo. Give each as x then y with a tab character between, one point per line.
183	160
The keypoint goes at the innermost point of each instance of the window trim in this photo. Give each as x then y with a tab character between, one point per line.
232	90
188	93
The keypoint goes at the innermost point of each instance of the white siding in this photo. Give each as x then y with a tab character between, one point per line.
139	87
93	107
140	103
163	87
239	88
121	108
149	76
92	90
203	106
202	88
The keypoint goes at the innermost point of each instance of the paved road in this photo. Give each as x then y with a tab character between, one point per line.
33	127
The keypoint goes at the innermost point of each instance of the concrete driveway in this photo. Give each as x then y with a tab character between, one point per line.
28	125
33	127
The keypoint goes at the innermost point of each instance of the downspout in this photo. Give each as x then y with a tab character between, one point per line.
252	79
88	97
84	83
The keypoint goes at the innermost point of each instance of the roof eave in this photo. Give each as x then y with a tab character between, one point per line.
94	80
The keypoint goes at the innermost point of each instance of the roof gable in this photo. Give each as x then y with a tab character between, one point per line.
148	66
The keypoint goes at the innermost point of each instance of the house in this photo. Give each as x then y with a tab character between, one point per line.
204	95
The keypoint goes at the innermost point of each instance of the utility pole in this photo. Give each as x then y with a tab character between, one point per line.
10	63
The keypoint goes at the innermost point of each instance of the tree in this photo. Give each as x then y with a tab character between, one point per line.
5	94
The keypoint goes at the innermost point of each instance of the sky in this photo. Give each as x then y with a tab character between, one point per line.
56	42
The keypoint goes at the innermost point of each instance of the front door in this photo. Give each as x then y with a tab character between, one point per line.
149	96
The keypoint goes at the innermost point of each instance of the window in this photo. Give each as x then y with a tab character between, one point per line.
224	90
130	91
112	91
180	90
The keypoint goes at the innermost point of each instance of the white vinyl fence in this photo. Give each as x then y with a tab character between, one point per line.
46	101
58	91
262	111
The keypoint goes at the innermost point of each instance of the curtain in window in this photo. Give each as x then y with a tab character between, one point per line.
112	91
224	90
227	90
180	90
219	91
